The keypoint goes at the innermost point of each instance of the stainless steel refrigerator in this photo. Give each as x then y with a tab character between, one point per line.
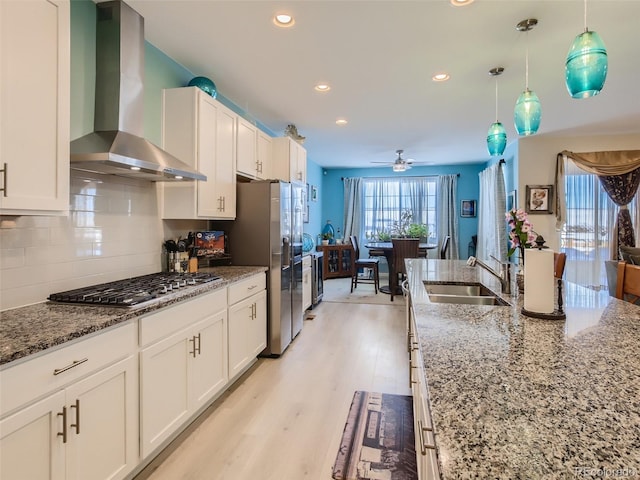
268	231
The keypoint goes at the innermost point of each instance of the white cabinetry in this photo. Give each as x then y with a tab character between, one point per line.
247	322
34	101
183	364
289	160
423	426
84	423
306	282
253	151
264	154
201	132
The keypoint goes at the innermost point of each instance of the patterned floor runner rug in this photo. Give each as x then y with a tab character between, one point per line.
378	440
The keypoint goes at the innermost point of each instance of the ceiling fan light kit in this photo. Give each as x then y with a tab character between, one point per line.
587	63
497	135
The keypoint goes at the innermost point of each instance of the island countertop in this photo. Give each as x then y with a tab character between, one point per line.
34	328
515	397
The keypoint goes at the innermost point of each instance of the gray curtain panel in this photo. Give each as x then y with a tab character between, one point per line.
447	204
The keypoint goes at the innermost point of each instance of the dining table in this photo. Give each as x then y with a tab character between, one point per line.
387	250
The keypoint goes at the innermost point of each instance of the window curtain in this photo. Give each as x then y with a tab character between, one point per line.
619	174
447	213
352	207
492	206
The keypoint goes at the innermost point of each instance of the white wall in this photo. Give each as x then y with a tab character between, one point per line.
537	164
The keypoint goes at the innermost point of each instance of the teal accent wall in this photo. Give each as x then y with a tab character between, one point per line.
314	179
468	189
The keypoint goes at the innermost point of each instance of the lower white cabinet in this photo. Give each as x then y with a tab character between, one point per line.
306	282
423	426
181	371
89	429
247	323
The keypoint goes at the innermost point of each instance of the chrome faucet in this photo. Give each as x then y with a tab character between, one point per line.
504	275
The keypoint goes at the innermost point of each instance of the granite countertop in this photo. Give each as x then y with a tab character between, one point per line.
29	330
515	397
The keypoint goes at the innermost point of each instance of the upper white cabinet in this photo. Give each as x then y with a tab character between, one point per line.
201	132
264	155
289	160
253	151
34	107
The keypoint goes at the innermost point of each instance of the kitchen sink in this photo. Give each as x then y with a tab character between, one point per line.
462	293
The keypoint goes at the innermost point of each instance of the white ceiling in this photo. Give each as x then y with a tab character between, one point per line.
379	57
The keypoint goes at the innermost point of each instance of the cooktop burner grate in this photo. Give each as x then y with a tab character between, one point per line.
133	291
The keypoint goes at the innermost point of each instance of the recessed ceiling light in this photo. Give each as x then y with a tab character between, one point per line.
440	77
461	3
283	20
135	169
178	177
341	121
322	87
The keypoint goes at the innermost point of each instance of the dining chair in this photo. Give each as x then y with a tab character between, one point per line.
402	248
444	247
372	263
559	260
628	285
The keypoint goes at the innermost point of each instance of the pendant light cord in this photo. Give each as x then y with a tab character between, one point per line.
585	16
496	99
526	65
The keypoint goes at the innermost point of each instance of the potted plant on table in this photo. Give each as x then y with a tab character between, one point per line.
325	238
521	236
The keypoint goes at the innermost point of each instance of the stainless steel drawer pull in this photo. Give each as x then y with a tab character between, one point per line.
63	434
77	424
73	364
423	446
252	287
197	349
4	184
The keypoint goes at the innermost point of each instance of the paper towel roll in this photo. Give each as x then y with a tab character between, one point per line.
538	280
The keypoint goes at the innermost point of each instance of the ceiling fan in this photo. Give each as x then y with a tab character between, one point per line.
400	164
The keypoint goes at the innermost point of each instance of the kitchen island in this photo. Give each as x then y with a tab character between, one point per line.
516	397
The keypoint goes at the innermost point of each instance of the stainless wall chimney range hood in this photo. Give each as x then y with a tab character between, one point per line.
117	146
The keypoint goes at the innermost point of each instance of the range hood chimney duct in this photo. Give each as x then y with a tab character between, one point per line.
117	146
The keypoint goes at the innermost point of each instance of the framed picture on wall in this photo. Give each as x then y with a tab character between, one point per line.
512	200
468	208
314	193
539	199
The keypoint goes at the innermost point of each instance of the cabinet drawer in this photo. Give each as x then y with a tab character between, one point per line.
245	288
34	378
160	324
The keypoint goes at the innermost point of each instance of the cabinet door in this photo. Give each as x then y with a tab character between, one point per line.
246	148
240	315
103	423
164	388
34	97
300	173
209	372
257	340
207	193
306	288
225	163
30	447
264	154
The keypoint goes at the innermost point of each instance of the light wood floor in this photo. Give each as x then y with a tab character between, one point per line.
284	419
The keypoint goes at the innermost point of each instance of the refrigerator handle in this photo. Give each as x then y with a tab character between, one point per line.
286	250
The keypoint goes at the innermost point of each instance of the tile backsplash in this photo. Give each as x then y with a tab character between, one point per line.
113	231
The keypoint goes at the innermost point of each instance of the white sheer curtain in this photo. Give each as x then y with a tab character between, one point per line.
588	229
448	213
492	206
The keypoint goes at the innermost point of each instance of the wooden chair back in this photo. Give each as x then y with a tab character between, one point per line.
443	248
356	247
628	285
404	248
559	259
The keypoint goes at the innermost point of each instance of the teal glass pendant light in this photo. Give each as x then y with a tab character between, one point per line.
497	135
528	111
587	64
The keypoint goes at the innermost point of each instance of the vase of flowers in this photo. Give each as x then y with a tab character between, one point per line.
521	236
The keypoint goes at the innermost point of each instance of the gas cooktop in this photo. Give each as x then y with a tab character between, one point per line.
133	291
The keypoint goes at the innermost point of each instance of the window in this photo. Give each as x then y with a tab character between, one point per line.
587	235
385	200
